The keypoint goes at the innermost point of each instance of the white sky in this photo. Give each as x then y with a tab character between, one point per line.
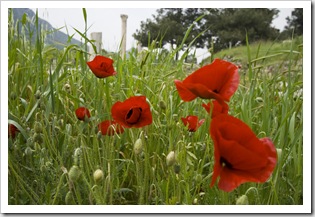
108	22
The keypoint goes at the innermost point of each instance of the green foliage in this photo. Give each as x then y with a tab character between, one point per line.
294	24
170	26
55	157
231	25
227	27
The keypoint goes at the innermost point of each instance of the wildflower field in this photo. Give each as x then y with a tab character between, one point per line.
149	130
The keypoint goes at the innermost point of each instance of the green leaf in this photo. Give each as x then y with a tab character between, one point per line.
21	129
84	14
291	127
24	18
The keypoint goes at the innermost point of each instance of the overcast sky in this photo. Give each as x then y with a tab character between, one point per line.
108	22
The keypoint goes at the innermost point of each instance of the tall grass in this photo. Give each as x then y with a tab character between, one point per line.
46	85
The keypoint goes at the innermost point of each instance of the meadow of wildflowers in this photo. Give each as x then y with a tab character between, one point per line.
151	130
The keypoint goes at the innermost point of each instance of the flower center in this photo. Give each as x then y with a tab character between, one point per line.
133	115
225	163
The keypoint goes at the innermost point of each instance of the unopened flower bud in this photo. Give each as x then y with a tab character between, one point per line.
176	168
170	159
28	151
138	146
38	137
13	96
77	156
67	87
279	153
162	105
195	201
74	173
99	135
38	127
198	178
242	200
38	94
98	175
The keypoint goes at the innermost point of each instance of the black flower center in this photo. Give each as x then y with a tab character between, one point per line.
216	91
225	163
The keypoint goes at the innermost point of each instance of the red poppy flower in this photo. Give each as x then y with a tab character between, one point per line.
110	127
133	112
82	113
192	122
218	80
217	108
239	155
12	131
102	67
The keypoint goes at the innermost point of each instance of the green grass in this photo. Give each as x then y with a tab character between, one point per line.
46	85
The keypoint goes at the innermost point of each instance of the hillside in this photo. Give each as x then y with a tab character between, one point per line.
271	52
55	37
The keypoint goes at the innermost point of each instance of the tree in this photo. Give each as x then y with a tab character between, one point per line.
296	21
169	26
226	26
231	25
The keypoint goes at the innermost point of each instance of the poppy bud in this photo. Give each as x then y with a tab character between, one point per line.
38	127
176	168
77	156
28	151
138	146
69	198
61	122
38	137
74	173
279	152
13	96
98	176
37	94
198	178
37	147
162	105
242	200
170	159
67	87
99	135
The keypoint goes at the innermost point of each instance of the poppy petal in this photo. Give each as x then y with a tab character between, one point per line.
109	128
218	108
239	155
12	131
102	67
133	112
184	93
218	80
82	113
191	121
